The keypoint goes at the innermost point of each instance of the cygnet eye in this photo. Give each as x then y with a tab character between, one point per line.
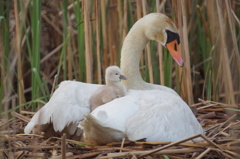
116	73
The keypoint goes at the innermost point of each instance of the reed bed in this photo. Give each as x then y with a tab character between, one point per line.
44	43
220	141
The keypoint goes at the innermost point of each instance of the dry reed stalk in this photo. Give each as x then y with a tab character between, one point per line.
139	15
235	17
19	116
97	13
122	144
178	22
120	26
70	6
207	116
213	26
117	41
73	40
222	125
204	153
18	50
57	23
139	154
187	144
87	26
139	9
120	19
69	51
233	35
187	67
161	5
149	58
104	34
125	19
43	15
181	141
54	84
159	46
63	146
112	26
53	52
205	24
88	155
110	40
225	62
221	104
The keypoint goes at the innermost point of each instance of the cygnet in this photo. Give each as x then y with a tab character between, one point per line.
113	88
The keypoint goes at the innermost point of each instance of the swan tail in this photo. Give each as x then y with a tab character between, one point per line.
29	127
96	133
36	120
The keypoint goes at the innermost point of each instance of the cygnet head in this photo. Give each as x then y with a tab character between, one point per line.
161	28
113	74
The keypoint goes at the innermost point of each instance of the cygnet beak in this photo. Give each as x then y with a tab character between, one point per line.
122	77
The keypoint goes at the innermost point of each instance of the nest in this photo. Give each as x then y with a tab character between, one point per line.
220	141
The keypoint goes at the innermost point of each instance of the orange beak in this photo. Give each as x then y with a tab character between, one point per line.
174	49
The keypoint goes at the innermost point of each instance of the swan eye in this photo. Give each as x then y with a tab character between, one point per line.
116	73
175	47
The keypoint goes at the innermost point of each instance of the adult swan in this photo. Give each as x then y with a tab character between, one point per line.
148	111
70	102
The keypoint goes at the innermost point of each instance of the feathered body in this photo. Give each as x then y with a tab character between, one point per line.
150	111
146	114
112	90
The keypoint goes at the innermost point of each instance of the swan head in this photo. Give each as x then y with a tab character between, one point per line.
161	28
113	74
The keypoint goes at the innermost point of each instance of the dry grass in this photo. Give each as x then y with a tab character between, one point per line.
221	140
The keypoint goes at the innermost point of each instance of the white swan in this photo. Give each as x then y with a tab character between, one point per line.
156	115
155	112
70	102
113	88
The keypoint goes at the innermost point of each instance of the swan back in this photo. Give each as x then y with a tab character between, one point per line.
155	115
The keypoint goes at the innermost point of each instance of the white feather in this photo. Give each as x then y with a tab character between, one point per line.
69	104
152	114
29	127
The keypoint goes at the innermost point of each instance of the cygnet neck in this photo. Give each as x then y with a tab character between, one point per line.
112	83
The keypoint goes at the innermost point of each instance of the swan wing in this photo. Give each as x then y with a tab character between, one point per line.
115	113
69	104
152	114
162	117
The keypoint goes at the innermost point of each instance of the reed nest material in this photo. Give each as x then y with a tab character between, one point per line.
222	140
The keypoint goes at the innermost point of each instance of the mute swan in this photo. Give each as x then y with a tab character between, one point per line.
70	102
113	88
149	111
156	115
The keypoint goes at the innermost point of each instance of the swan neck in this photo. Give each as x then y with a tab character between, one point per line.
131	52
